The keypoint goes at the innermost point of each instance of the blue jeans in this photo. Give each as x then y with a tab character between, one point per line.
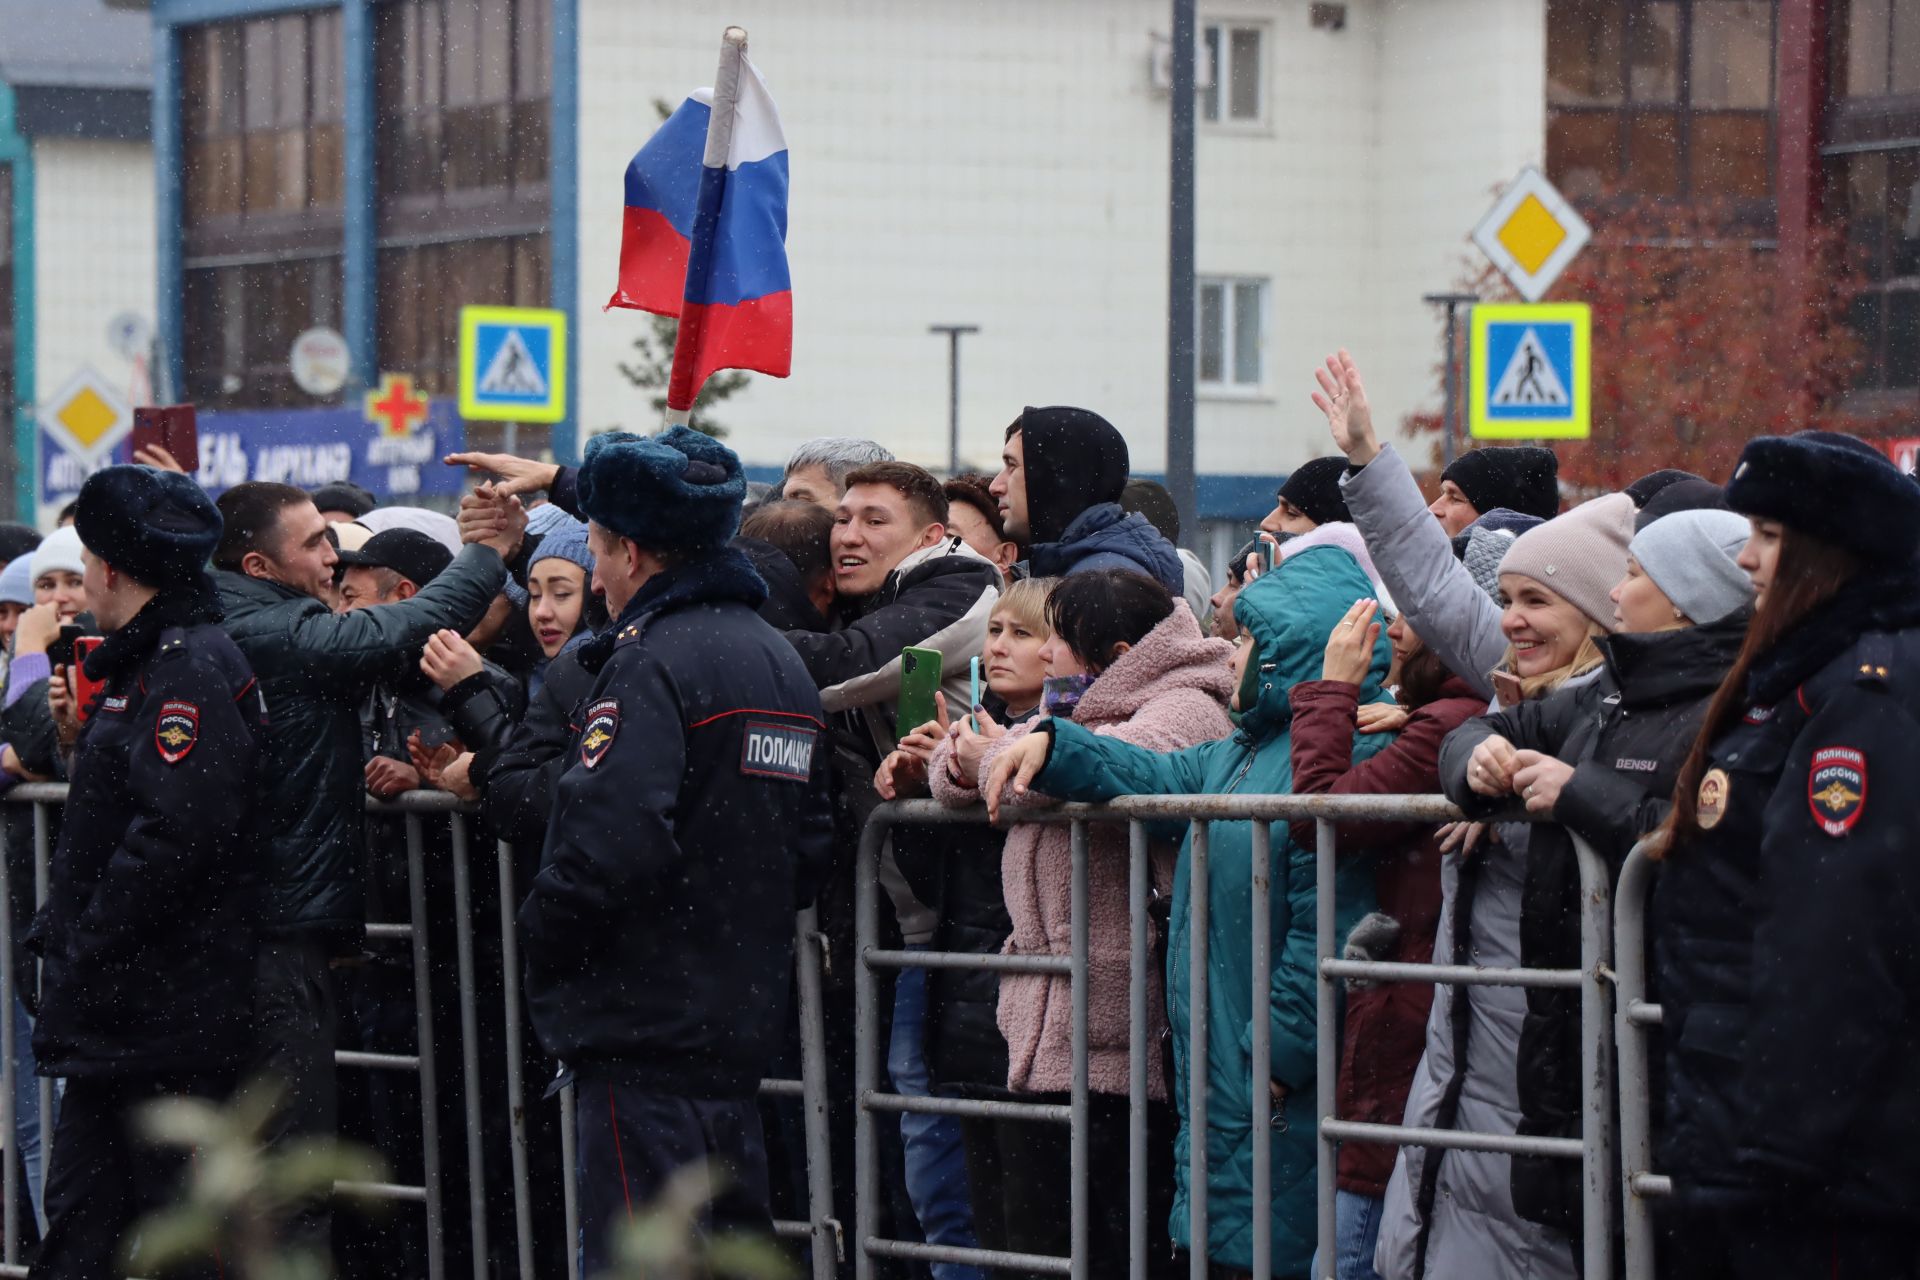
26	1112
935	1157
1356	1230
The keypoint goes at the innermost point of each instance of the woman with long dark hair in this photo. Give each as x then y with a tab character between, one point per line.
1786	920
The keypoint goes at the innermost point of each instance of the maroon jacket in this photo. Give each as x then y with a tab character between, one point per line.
1386	1024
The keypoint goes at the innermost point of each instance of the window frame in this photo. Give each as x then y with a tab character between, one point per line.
1630	112
1228	387
1218	94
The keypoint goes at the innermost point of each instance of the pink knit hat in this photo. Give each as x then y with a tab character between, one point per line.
1579	556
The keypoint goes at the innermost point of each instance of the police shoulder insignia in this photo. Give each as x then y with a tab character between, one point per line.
603	722
1837	788
1710	806
772	750
177	729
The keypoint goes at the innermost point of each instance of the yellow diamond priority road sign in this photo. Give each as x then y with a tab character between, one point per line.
1532	233
86	416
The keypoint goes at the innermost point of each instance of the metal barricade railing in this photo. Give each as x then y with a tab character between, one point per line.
1634	1020
1593	980
821	1230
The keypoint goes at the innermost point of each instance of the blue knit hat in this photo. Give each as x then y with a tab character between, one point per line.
543	522
677	491
565	541
16	581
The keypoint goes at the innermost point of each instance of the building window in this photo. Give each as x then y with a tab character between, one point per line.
1661	97
465	88
1235	75
1233	330
260	115
1877	49
1877	196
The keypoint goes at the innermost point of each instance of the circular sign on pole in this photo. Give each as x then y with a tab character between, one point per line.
130	336
319	361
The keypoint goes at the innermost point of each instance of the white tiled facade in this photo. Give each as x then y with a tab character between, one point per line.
1004	163
94	255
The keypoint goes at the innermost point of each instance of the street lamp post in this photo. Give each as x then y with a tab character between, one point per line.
954	333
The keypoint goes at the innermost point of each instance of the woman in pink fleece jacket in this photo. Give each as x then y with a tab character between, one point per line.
1146	675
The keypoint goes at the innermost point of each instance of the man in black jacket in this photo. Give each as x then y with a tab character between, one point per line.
691	822
147	934
273	566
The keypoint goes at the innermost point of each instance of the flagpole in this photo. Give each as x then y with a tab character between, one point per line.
726	97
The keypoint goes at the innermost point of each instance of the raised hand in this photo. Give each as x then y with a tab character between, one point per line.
493	518
448	659
1350	646
1343	399
517	475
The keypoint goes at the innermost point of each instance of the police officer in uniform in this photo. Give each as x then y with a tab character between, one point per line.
691	822
146	938
1786	920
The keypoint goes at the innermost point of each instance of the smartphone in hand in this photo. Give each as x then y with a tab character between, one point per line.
920	675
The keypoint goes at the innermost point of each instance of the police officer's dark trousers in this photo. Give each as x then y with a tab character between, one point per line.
105	1176
632	1142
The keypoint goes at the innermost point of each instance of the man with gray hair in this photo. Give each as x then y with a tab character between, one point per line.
818	470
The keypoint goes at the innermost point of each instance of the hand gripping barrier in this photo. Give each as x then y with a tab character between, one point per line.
1594	978
414	809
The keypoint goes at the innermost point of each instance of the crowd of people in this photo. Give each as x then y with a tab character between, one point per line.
681	702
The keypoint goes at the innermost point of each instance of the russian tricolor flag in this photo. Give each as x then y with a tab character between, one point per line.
707	242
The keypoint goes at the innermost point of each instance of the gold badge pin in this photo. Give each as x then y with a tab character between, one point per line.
1711	805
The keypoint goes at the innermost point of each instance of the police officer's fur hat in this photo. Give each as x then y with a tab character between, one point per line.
677	491
156	526
1832	486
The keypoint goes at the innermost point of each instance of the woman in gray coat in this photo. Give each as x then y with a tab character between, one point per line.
1449	1215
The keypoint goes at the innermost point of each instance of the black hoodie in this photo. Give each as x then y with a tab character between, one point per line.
1075	459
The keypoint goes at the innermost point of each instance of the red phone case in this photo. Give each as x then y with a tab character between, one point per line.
85	690
174	427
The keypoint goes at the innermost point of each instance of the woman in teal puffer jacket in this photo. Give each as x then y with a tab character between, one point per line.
1285	618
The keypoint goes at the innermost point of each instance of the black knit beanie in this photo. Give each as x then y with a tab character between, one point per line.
1643	490
1522	478
1314	488
1690	494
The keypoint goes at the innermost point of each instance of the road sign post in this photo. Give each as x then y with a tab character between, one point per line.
1530	371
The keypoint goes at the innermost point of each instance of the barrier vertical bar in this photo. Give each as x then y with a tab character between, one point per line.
9	1075
423	1015
1261	910
42	864
1077	1131
1596	1048
516	1083
1632	1015
813	1081
1197	1053
570	1178
1326	1044
469	1045
866	1184
1137	1097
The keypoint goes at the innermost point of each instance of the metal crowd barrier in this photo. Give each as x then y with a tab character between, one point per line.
820	1229
1634	1021
1594	1149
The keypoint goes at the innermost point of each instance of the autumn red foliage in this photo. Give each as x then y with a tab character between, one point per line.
1691	354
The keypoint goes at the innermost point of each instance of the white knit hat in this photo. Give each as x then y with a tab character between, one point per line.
60	550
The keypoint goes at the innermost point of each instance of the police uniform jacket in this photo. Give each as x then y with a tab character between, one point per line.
148	931
1786	933
691	821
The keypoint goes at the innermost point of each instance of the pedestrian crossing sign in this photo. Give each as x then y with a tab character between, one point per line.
1530	371
513	364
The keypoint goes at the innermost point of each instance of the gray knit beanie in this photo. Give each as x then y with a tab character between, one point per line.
1580	556
1690	555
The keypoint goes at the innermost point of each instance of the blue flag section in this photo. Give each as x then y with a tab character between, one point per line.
301	447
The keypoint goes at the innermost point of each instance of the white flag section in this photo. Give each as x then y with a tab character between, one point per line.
1530	378
513	371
